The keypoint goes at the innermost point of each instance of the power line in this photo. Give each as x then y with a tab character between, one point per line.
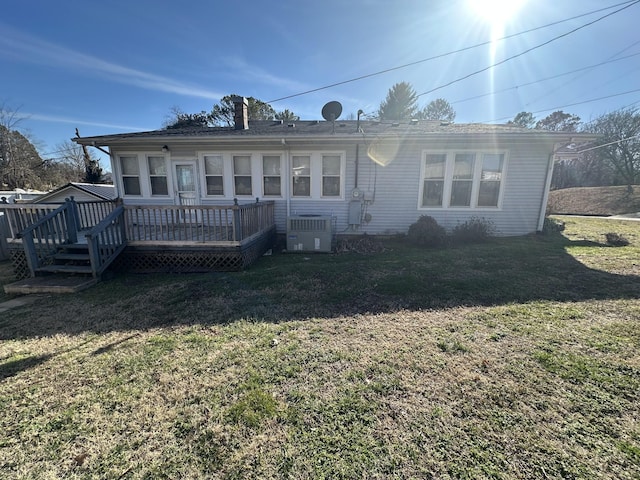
607	144
545	79
526	51
578	76
442	55
571	104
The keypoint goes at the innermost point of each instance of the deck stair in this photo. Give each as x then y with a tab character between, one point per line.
70	272
73	258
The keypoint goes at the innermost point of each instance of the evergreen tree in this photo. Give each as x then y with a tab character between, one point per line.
400	103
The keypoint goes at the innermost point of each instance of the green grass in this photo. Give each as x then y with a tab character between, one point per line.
512	359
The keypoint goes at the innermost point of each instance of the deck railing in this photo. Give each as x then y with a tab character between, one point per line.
42	239
22	215
44	228
186	224
91	214
106	240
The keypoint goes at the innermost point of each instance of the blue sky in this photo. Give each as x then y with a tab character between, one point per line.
118	66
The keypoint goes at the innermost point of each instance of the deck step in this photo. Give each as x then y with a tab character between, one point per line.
50	284
75	257
83	269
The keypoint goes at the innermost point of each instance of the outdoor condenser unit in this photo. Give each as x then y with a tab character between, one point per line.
309	233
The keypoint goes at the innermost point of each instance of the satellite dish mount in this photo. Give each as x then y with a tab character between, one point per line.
331	112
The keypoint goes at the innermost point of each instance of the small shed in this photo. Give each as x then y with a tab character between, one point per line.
81	192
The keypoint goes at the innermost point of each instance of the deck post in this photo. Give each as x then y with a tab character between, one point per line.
73	220
30	253
237	224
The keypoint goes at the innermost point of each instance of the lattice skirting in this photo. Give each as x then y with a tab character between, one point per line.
168	259
192	259
19	262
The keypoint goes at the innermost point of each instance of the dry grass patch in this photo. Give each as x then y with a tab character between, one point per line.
594	201
515	359
542	390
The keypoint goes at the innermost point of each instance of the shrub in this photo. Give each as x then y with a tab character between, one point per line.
616	240
473	230
551	225
426	232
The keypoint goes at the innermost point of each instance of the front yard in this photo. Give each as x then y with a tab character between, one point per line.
513	359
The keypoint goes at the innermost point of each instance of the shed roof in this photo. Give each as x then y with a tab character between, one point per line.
102	191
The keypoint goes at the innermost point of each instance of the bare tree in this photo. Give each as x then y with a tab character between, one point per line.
620	143
71	155
20	163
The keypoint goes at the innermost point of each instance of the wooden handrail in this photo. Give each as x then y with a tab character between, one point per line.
41	221
106	240
41	239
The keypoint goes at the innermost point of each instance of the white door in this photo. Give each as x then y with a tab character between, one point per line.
186	184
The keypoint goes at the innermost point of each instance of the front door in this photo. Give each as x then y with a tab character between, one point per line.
186	184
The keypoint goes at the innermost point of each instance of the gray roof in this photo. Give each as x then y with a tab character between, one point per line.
318	129
102	191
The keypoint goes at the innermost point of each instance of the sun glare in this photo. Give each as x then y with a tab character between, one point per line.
496	12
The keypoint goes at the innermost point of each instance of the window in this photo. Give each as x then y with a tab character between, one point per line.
158	175
214	174
271	175
490	179
301	165
331	175
461	179
130	175
433	187
242	174
462	183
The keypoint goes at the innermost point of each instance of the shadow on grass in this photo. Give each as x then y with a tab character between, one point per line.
13	367
285	287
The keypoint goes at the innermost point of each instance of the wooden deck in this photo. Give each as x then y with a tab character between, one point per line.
137	237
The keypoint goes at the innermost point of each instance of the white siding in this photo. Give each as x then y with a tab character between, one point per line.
391	192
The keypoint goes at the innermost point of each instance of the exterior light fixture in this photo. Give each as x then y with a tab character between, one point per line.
165	148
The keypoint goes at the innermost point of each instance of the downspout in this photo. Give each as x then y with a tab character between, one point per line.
547	187
360	112
287	169
357	156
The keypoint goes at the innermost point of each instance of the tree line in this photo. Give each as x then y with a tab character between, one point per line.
21	166
612	159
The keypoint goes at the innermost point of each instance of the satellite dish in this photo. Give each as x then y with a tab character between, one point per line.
331	111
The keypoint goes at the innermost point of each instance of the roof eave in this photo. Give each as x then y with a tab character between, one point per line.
117	140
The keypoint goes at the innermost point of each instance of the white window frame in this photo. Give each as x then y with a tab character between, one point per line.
477	173
291	176
251	175
267	174
316	174
203	163
148	156
122	175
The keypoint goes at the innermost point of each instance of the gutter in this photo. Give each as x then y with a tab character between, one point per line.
547	187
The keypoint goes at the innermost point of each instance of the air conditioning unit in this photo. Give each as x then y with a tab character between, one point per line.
309	233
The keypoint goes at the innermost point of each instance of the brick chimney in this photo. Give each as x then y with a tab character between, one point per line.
240	113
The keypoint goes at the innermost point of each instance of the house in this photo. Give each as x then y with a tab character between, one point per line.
214	198
81	192
369	177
